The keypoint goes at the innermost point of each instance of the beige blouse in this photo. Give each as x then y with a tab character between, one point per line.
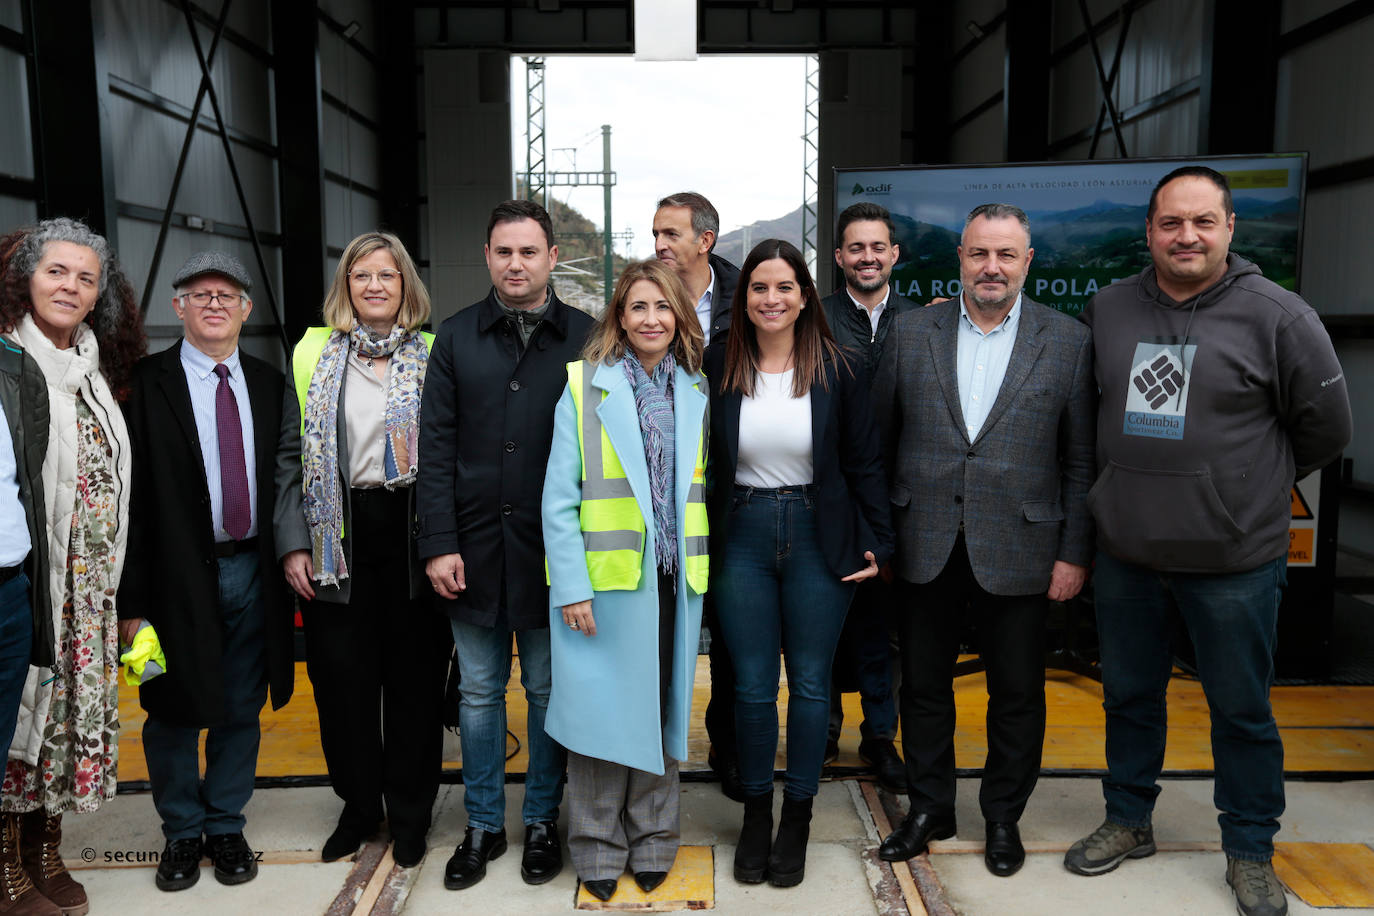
364	412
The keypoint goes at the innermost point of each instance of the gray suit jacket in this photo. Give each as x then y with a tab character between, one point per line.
1020	488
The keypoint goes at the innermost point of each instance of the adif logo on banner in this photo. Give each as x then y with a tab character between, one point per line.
871	189
1157	398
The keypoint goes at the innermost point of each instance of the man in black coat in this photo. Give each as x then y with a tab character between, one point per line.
203	418
495	374
686	226
859	315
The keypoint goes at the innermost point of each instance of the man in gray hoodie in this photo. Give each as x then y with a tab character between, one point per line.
1218	387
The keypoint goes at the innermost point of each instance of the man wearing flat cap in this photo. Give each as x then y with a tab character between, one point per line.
201	569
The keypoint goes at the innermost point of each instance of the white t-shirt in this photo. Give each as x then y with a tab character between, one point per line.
774	434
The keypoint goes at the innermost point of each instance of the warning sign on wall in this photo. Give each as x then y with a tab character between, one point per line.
1302	530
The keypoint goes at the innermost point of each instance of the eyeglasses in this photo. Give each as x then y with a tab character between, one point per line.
364	277
202	300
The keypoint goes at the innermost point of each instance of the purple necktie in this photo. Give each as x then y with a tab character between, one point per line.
233	475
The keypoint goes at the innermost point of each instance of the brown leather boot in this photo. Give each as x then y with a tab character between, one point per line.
18	896
40	843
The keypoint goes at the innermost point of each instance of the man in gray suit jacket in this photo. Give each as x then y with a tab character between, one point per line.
986	405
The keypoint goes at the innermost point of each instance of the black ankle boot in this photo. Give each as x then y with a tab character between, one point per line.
751	851
787	861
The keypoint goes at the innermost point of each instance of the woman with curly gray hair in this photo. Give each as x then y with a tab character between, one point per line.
64	300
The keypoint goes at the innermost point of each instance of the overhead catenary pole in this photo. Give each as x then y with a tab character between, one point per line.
606	187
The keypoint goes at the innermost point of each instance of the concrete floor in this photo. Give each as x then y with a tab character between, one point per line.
290	824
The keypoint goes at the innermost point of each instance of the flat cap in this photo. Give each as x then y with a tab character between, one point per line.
213	262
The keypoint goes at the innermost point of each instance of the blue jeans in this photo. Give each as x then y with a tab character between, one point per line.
16	641
1232	619
484	662
188	805
775	593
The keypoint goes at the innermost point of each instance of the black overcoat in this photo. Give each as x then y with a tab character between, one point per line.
170	575
486	423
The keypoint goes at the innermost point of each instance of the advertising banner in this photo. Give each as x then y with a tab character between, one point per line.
1087	218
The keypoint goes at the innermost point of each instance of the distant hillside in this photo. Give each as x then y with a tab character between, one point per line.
730	246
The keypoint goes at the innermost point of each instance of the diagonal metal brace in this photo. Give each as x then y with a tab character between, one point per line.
234	174
1102	81
181	163
1127	9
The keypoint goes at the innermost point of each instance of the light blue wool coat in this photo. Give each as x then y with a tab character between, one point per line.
605	697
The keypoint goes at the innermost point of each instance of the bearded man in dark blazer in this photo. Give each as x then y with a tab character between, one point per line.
986	405
201	568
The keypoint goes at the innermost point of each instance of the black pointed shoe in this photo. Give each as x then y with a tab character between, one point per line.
346	839
542	858
468	865
235	862
649	880
179	867
914	835
602	889
1003	852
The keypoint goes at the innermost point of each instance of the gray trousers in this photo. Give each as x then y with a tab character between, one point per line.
620	816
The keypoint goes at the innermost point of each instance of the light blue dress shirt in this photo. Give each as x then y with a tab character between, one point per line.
14	528
202	382
982	364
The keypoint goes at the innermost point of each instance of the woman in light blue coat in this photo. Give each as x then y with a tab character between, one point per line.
625	536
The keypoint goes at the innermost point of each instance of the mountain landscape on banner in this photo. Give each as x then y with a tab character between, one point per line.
1110	236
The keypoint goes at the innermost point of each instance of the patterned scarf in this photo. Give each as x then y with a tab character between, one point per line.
654	404
320	443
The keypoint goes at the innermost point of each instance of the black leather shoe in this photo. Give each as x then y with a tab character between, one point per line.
727	768
887	766
179	866
603	889
468	864
407	851
345	840
1003	851
915	833
648	880
234	861
542	859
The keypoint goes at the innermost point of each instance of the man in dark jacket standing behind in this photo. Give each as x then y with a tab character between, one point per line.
1218	386
859	314
495	374
202	569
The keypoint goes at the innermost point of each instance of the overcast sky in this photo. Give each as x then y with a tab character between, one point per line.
679	126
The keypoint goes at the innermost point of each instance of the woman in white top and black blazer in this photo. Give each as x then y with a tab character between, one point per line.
799	514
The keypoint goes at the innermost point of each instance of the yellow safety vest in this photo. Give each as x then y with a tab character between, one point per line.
306	357
612	526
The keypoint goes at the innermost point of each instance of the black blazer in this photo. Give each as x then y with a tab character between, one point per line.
852	513
170	576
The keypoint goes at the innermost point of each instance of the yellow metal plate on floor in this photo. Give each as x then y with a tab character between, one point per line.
1327	874
691	885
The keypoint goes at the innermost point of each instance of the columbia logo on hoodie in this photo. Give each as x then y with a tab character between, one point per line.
1157	397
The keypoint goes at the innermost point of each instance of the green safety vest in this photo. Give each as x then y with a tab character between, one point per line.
306	357
612	526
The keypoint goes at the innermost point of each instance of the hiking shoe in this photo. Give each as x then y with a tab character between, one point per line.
1103	850
1258	892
